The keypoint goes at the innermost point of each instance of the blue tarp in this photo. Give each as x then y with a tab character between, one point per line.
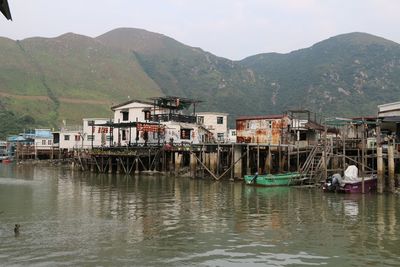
15	138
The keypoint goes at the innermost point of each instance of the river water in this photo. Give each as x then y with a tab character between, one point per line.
72	218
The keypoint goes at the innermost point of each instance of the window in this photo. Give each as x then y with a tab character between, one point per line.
185	134
233	133
220	136
124	134
49	142
108	138
66	137
90	137
77	137
90	123
147	115
43	142
200	119
220	120
125	115
269	124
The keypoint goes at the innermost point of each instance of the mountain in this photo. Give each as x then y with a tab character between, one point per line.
346	75
181	70
46	80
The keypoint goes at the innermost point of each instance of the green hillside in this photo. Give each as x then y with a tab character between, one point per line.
68	77
187	71
346	75
46	80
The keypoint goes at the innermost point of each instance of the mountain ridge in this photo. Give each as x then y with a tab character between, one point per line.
331	77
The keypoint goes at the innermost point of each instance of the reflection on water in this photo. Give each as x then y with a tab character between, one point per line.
73	218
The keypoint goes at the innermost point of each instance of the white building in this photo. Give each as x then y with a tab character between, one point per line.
216	123
142	122
389	110
43	139
70	139
232	135
126	115
96	133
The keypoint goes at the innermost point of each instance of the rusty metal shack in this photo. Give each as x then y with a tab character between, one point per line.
296	128
268	129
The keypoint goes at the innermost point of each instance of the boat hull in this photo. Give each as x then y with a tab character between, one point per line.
284	179
370	185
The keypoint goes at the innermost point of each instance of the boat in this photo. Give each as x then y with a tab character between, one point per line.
351	182
282	179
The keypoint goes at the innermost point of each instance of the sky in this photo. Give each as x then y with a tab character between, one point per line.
233	29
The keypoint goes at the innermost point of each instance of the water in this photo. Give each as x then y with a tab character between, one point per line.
82	219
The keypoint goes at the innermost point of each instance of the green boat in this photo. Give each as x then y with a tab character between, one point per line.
282	179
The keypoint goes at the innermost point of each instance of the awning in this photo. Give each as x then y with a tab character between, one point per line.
391	119
5	9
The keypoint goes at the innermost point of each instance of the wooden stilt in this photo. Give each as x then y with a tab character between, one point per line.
268	161
218	159
232	162
110	165
258	159
248	170
193	164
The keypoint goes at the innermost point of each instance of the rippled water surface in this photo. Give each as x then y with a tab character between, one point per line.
83	219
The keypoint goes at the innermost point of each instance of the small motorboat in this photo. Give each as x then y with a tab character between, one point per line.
350	183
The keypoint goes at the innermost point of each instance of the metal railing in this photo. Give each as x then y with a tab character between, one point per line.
174	117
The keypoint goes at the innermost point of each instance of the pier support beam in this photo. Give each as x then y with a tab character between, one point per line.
238	165
380	169
213	162
110	165
178	162
193	165
268	161
391	182
118	166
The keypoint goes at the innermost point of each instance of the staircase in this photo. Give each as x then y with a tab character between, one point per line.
313	168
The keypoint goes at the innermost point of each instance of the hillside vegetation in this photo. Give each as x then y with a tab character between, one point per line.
46	80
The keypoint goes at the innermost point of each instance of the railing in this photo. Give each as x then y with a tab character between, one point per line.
174	117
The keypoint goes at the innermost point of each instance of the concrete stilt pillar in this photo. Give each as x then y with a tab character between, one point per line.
136	166
118	166
193	165
238	166
391	168
207	163
213	162
268	161
178	162
380	169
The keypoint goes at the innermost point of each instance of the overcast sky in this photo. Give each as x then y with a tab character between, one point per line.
233	29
